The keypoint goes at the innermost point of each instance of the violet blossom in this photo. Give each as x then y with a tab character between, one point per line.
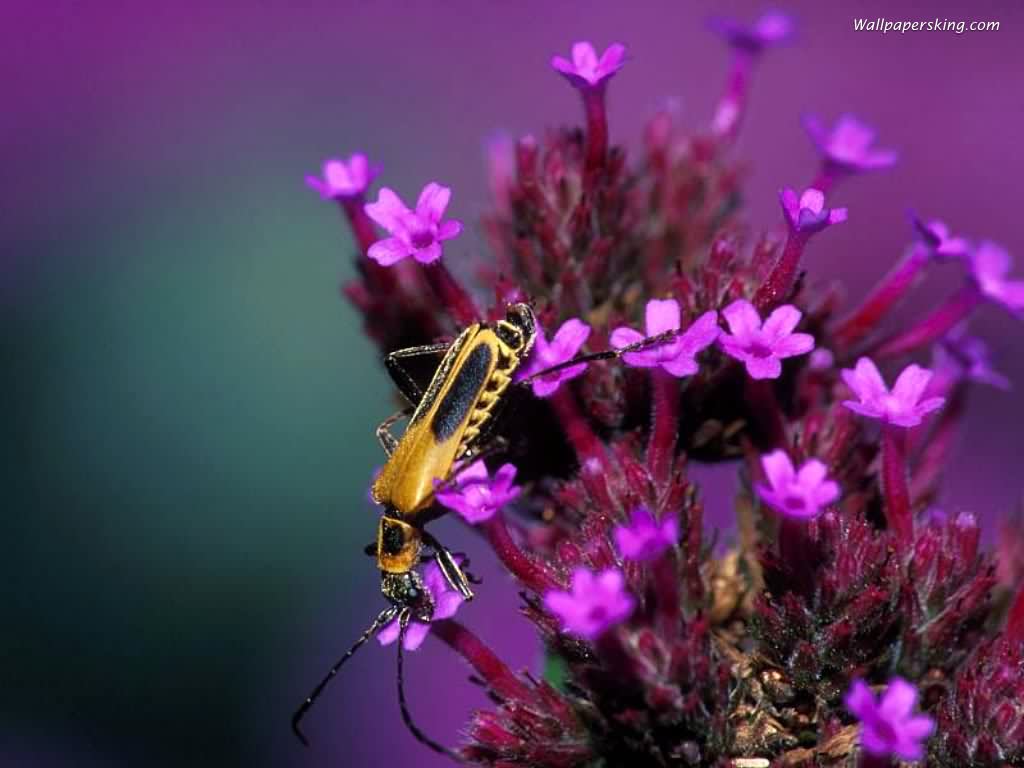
586	70
890	725
676	355
990	266
416	233
798	493
594	603
848	144
475	495
343	179
564	346
960	354
762	347
902	406
446	603
771	28
645	538
938	237
808	214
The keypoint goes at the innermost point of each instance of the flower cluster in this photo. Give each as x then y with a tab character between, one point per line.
846	622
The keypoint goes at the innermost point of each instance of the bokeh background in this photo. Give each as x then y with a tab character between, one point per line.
187	403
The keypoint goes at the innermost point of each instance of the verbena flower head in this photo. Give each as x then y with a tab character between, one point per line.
645	538
903	406
564	346
990	267
446	603
343	179
960	354
416	233
677	355
594	603
848	144
808	214
937	236
771	29
762	347
800	494
586	70
476	496
890	725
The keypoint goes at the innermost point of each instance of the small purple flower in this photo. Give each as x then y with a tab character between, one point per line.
586	71
446	603
646	538
343	180
901	407
476	497
938	237
563	346
677	355
990	265
800	494
762	347
848	144
889	727
595	602
808	214
960	354
771	29
416	233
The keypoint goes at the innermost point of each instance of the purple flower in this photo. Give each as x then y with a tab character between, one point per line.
889	727
938	237
563	346
416	233
586	70
446	603
762	347
343	180
821	359
677	355
901	407
848	144
808	214
771	29
646	538
796	493
990	264
595	602
476	497
960	354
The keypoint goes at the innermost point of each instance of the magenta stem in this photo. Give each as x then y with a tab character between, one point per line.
666	581
895	488
827	178
484	661
1015	620
531	573
360	223
588	447
934	326
780	280
597	130
451	293
731	107
938	447
892	288
661	447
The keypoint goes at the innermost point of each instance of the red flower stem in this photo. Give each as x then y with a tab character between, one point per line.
938	447
482	659
932	327
895	492
661	447
732	105
795	552
531	573
1015	620
597	130
450	292
780	280
666	588
887	294
577	429
827	178
764	406
362	226
874	761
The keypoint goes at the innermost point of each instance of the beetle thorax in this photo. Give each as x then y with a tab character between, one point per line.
407	590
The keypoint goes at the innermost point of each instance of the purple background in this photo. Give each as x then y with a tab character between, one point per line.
190	403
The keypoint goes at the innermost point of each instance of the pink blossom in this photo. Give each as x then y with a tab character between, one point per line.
646	538
889	727
595	602
677	356
761	348
475	496
586	70
808	213
343	180
848	144
564	346
796	493
446	603
416	233
771	29
990	265
902	406
940	240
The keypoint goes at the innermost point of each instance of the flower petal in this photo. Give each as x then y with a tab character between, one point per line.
742	318
584	57
388	211
910	385
389	633
781	322
898	701
568	339
661	316
389	251
865	380
428	255
415	634
680	366
448	229
859	700
700	335
624	337
791	346
763	367
432	201
778	468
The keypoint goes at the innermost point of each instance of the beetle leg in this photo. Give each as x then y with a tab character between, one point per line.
388	441
453	573
403	379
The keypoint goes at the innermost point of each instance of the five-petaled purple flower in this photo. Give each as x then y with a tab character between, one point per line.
990	265
939	238
563	347
416	233
586	70
889	726
475	496
772	28
646	538
595	602
676	355
762	347
798	493
808	214
961	355
902	406
446	603
848	144
343	180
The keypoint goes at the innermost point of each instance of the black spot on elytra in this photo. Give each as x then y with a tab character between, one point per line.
462	394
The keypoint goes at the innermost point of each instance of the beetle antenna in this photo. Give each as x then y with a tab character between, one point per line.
406	717
383	618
